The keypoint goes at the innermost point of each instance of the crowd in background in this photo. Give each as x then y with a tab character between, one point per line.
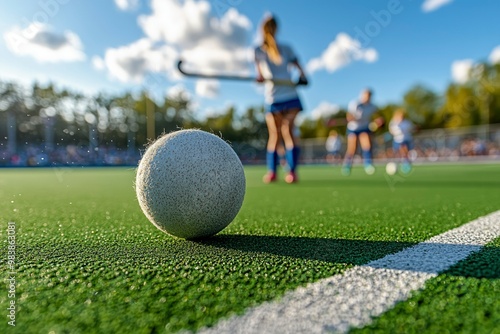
73	155
468	147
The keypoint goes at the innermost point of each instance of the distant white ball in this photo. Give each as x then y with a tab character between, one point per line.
391	168
190	184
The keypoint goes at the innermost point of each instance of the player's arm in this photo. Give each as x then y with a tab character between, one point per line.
351	111
377	122
260	77
294	60
380	120
302	73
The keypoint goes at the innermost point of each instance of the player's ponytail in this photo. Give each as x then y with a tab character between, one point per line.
269	27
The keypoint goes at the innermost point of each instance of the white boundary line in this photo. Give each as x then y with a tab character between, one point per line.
353	298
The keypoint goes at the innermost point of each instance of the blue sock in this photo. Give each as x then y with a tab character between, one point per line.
290	159
296	155
272	161
367	157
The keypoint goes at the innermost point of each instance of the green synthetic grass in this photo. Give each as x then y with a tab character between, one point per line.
464	299
88	261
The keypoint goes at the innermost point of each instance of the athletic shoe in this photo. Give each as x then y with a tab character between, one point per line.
369	169
291	178
269	177
346	170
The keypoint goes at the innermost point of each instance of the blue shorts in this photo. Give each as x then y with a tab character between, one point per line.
284	106
407	143
358	131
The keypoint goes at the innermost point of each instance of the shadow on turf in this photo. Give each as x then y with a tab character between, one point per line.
354	252
483	264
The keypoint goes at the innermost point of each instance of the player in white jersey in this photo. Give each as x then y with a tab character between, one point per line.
273	61
360	125
401	130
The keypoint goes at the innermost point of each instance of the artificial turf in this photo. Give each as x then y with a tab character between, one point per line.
464	299
88	261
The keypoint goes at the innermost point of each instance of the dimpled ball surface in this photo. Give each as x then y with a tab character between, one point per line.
190	184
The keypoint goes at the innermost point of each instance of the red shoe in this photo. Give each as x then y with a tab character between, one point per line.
291	178
269	177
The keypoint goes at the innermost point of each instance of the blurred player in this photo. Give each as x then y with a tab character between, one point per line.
401	130
333	146
273	61
360	125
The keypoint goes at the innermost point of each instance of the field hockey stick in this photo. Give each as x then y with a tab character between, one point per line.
301	82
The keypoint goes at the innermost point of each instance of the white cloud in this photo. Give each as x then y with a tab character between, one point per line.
127	5
172	21
44	45
495	55
432	5
324	109
132	62
209	42
342	51
187	29
207	88
460	70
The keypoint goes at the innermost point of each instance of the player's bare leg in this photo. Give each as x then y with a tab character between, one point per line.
349	154
366	149
292	149
273	121
405	160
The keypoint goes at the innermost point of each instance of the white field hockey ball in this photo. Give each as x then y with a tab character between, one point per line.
391	168
190	184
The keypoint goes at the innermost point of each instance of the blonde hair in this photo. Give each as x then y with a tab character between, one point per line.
269	27
400	112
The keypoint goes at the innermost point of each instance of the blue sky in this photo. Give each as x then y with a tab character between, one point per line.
117	45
